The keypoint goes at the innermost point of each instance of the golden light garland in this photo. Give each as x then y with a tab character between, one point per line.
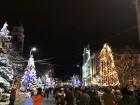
108	74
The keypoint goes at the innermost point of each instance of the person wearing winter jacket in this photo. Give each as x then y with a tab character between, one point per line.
38	98
128	98
107	97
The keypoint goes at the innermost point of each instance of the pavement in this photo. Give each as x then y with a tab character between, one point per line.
4	103
49	101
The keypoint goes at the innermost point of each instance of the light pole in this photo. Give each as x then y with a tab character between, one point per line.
33	49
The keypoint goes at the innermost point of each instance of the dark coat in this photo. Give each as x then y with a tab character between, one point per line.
69	98
84	99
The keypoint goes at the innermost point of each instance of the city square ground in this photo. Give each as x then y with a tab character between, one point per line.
20	99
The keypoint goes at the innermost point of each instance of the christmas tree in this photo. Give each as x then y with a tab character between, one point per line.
48	80
6	72
108	74
4	32
40	83
75	81
29	78
6	66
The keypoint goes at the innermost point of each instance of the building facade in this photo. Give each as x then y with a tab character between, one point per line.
18	37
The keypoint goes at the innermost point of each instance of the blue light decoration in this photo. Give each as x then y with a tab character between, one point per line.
29	78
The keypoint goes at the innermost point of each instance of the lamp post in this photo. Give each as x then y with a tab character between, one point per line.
33	49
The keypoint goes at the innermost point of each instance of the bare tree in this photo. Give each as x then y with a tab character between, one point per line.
125	61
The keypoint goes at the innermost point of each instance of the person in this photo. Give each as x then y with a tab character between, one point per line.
84	97
138	96
56	96
118	96
107	97
0	95
69	97
128	98
61	97
38	98
77	96
12	96
27	100
95	99
47	93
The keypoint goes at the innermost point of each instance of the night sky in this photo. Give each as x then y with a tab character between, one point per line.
61	28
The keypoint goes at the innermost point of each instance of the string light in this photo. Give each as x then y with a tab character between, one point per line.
125	63
108	74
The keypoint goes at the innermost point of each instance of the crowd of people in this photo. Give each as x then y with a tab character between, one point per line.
68	95
96	96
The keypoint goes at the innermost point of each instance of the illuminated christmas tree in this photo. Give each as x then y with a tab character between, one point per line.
29	78
40	83
6	65
75	81
5	32
87	67
108	74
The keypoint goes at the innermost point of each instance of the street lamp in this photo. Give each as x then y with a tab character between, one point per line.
33	49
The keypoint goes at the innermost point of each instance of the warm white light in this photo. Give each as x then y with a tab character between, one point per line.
108	74
34	49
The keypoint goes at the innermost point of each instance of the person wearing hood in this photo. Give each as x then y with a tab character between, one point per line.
38	98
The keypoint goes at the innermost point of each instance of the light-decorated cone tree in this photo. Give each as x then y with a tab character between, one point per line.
108	73
40	83
29	78
48	80
75	81
6	65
